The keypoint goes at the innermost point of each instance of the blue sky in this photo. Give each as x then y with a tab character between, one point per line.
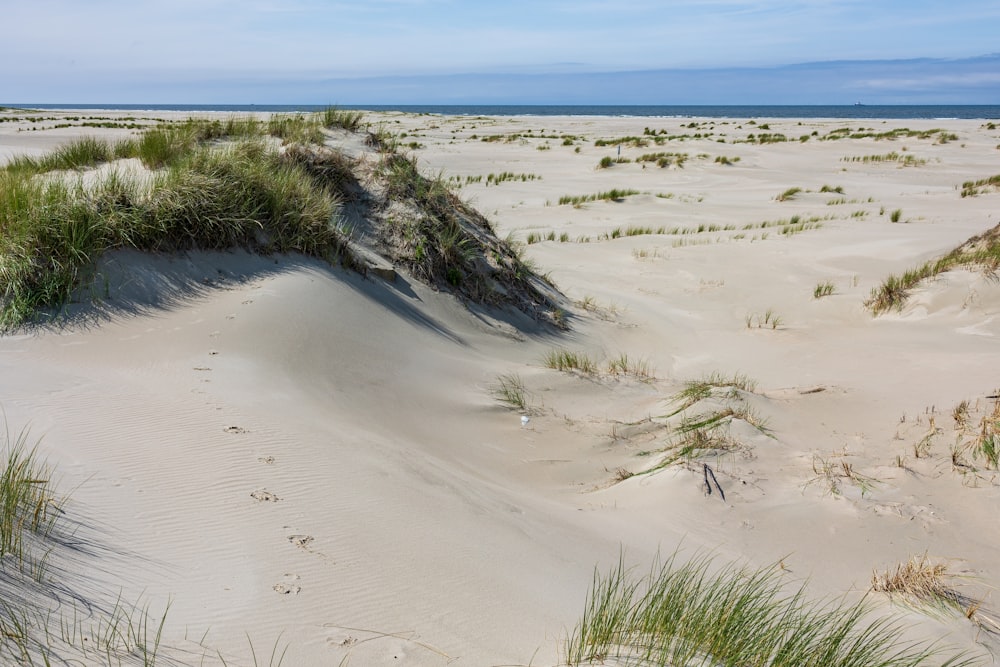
514	51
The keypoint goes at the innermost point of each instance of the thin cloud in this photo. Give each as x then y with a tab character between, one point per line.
104	41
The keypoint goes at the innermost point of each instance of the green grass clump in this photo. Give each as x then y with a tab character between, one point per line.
614	194
765	138
973	188
627	366
708	432
633	230
981	251
769	319
28	505
823	289
903	160
497	179
697	614
696	390
896	215
663	159
637	142
509	389
564	360
894	290
342	118
246	195
788	194
889	135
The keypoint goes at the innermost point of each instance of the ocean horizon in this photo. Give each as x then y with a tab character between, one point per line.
849	111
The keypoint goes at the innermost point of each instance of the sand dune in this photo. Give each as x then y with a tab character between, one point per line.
296	454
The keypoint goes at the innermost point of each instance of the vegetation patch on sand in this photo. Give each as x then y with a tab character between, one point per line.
980	251
217	185
708	431
899	158
973	188
615	195
694	613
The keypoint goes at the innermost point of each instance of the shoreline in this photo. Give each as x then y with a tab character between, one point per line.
845	112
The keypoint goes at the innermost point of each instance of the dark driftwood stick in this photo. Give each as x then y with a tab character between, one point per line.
708	472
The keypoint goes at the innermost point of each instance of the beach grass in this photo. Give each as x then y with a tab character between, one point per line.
981	251
707	432
217	185
788	194
28	504
904	160
244	195
615	195
769	320
624	365
566	360
922	581
698	613
695	391
32	631
240	194
822	289
977	187
509	389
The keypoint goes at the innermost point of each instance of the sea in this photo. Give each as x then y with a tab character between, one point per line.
852	111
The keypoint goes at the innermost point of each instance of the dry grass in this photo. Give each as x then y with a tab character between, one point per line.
975	444
833	473
929	584
918	578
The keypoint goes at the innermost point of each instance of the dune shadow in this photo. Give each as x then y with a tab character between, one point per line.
128	284
63	597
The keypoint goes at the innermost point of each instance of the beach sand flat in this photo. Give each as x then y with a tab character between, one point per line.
295	454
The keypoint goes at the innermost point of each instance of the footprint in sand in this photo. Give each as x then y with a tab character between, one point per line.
231	316
264	496
301	541
266	460
248	302
202	368
236	430
288	585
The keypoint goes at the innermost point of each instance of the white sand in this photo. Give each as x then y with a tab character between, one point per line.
294	453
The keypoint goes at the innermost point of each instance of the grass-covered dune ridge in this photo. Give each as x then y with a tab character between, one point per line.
981	251
267	186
